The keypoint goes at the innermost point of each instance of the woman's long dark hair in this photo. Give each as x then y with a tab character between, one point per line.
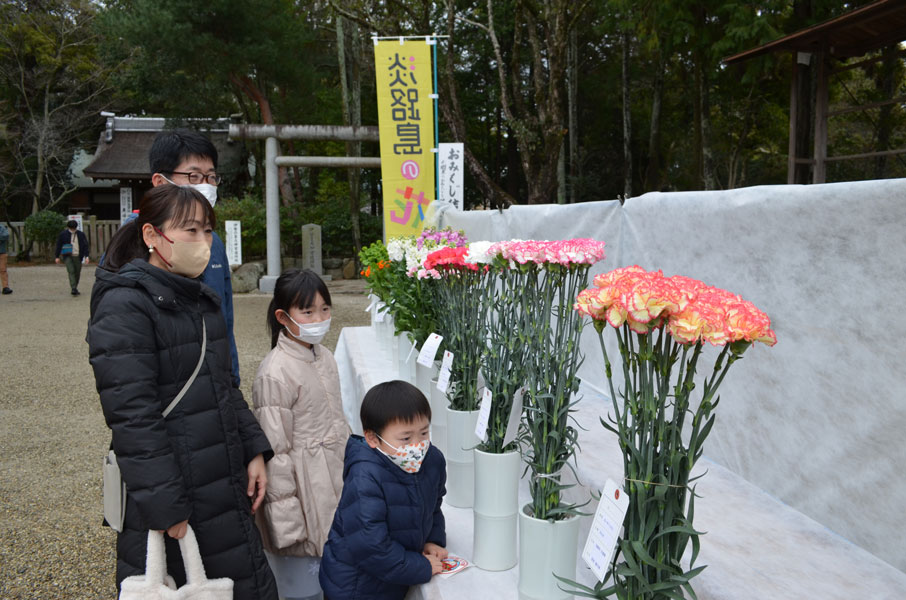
294	287
159	204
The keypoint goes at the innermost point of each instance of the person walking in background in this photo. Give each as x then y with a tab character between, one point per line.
72	249
4	278
152	319
297	401
188	158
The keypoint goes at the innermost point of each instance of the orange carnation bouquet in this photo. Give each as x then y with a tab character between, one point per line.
662	325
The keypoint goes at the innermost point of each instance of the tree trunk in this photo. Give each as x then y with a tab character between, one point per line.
653	171
627	120
707	156
572	98
349	60
453	115
885	83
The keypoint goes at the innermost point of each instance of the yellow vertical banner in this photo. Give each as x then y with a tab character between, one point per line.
406	121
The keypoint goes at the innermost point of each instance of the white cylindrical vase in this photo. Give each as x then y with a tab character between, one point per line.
438	402
423	376
461	439
494	510
546	548
407	355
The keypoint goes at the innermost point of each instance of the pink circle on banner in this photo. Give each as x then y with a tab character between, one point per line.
410	169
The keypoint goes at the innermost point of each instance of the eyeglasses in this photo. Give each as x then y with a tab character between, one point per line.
195	177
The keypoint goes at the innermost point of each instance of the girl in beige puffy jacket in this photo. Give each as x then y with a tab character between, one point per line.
296	396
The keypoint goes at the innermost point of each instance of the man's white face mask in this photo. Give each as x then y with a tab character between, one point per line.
206	189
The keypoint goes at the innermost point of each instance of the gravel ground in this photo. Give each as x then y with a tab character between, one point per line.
53	435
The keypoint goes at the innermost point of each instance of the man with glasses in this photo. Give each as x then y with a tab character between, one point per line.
186	157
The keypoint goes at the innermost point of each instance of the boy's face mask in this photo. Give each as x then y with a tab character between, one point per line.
409	458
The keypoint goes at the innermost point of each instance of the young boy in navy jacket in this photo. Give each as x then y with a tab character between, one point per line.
388	530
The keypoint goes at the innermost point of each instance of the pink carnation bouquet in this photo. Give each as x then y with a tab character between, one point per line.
662	325
534	316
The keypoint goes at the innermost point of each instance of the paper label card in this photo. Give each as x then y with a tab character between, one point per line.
484	414
379	312
443	378
512	425
453	565
605	529
481	381
429	350
373	300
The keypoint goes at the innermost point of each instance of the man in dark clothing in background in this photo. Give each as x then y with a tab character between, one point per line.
72	250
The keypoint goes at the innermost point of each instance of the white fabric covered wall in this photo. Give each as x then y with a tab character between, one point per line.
818	420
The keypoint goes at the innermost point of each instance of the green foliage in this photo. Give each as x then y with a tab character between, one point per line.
331	212
250	210
44	226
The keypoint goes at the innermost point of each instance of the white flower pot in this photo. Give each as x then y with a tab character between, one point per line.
545	548
438	401
461	439
407	356
494	510
423	376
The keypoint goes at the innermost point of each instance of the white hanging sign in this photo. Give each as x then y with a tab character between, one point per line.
233	242
512	425
450	169
429	350
605	529
443	378
77	219
125	204
484	415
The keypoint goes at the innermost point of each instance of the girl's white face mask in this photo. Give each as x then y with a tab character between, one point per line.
310	333
409	458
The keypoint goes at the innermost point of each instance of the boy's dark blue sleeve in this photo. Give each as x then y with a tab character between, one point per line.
368	544
438	533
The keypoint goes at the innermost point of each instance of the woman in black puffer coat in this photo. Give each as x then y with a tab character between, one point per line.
204	463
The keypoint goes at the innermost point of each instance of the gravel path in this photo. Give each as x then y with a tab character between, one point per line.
53	435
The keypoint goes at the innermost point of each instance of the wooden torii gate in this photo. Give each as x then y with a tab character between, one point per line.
871	27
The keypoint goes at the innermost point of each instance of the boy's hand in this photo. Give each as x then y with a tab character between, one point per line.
436	567
435	550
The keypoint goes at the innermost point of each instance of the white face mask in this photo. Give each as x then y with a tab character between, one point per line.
310	333
409	458
206	189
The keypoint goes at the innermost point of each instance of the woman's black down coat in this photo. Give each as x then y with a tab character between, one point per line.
144	340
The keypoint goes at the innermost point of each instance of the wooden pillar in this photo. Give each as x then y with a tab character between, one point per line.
820	172
794	107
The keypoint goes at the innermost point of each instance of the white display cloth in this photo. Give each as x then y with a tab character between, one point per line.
756	547
818	420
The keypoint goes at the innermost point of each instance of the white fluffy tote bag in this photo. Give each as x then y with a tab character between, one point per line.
155	584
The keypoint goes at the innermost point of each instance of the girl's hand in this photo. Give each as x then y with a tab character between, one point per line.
178	531
257	472
435	550
436	567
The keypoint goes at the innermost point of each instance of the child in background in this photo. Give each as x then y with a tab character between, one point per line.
296	396
388	531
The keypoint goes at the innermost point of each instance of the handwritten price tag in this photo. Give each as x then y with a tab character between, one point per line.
443	378
429	350
484	414
605	529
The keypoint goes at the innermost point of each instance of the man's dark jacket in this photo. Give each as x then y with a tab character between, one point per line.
65	237
144	341
385	518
